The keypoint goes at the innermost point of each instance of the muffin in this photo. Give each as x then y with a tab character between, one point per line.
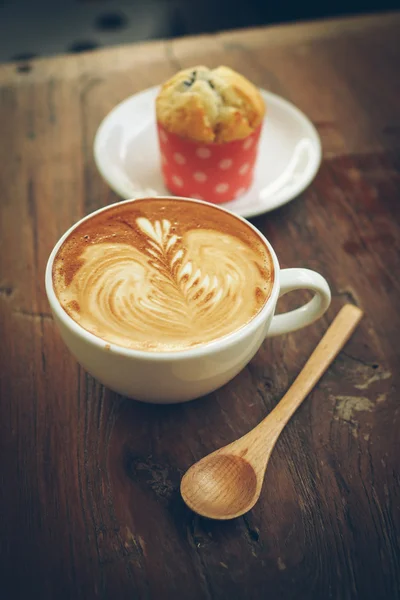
209	123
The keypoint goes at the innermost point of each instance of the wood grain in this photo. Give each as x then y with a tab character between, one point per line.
89	493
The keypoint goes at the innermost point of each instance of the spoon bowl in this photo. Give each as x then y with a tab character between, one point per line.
211	485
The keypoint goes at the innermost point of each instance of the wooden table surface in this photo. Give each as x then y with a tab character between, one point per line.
89	489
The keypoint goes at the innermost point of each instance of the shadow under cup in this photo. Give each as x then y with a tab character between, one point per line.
178	376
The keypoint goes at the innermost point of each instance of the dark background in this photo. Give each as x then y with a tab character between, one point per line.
46	27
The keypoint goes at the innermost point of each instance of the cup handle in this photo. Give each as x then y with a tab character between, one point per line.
301	279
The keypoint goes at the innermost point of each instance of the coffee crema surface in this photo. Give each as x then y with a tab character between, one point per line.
162	274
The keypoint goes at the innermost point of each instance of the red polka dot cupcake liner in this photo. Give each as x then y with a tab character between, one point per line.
216	173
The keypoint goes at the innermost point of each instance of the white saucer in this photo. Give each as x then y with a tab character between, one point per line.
127	155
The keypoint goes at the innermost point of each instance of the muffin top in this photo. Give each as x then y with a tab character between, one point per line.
210	105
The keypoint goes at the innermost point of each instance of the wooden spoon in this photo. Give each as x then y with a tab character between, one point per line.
227	483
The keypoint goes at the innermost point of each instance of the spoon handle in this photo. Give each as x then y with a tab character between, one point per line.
328	348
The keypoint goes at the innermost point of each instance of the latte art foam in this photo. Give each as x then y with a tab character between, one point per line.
149	276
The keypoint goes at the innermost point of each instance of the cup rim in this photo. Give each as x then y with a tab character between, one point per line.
197	351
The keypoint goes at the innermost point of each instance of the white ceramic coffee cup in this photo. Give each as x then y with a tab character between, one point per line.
170	377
